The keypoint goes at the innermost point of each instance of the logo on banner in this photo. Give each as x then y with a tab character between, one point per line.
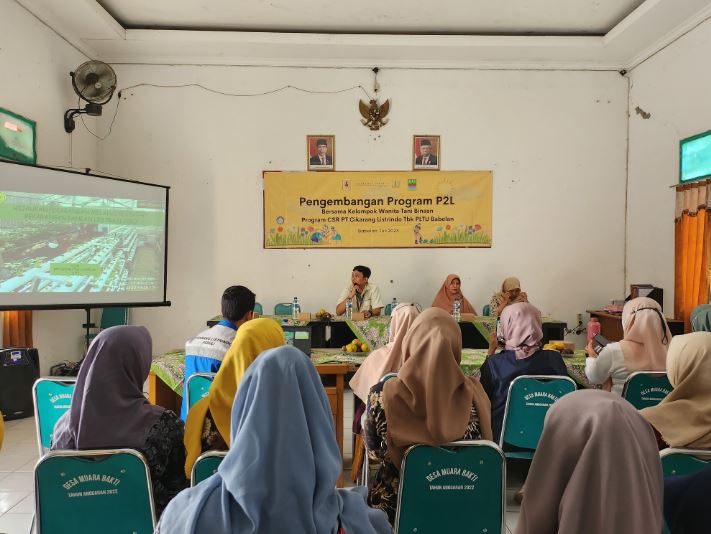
346	185
411	184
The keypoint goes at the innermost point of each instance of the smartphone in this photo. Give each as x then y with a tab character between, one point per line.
499	335
598	343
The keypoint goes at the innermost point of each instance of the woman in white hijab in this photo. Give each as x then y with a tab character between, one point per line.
643	348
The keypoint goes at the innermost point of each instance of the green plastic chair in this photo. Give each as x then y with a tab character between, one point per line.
486	310
683	462
51	398
283	308
460	487
197	387
258	308
646	388
528	401
85	492
206	465
110	317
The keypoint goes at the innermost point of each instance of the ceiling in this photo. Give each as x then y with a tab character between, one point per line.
468	17
541	34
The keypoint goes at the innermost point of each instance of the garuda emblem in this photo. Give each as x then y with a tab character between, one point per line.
373	114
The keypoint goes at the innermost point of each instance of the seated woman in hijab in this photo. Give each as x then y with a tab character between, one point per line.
450	291
683	418
643	347
701	318
510	294
430	402
280	472
521	333
208	424
109	410
386	359
596	469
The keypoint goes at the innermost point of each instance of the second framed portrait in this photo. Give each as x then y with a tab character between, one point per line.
321	152
425	152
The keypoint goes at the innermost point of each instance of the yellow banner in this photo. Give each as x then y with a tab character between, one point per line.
377	209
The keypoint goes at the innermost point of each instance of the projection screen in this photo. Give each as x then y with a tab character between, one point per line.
75	240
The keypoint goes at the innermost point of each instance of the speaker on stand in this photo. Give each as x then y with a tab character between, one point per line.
19	368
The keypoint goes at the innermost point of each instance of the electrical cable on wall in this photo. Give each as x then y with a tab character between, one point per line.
218	92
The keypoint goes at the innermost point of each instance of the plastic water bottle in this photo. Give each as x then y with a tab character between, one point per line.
349	308
457	310
295	308
393	304
593	328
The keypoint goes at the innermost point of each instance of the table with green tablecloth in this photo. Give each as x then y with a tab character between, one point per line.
374	331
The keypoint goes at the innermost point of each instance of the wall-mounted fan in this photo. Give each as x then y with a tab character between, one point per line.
95	83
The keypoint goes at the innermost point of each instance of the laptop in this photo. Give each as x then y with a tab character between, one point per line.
299	337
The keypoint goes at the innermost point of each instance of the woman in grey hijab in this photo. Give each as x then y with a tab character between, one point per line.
109	410
596	469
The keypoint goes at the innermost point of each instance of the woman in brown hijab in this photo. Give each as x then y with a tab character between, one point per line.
596	469
430	402
450	291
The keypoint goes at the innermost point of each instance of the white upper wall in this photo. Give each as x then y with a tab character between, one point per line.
674	86
555	141
35	64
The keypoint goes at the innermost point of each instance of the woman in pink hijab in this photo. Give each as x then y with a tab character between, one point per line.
450	291
387	359
643	347
521	331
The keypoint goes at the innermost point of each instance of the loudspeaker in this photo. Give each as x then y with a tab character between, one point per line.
19	368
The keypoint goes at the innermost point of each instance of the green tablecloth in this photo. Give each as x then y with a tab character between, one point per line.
170	367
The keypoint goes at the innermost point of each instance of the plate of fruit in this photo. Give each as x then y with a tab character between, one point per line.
355	346
566	348
323	315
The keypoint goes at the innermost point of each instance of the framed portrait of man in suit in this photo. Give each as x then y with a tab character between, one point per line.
425	152
321	152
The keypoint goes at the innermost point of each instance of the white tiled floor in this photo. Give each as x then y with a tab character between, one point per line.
19	455
17	462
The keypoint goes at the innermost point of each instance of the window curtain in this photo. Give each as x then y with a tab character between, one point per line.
692	236
17	328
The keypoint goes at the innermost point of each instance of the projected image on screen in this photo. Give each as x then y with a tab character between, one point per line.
77	240
695	158
63	243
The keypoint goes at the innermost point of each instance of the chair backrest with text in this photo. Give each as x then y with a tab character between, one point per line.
528	401
85	492
644	389
52	397
206	465
460	487
197	387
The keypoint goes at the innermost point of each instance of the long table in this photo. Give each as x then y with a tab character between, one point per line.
374	331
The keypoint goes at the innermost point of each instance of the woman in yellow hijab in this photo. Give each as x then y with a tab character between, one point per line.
208	424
